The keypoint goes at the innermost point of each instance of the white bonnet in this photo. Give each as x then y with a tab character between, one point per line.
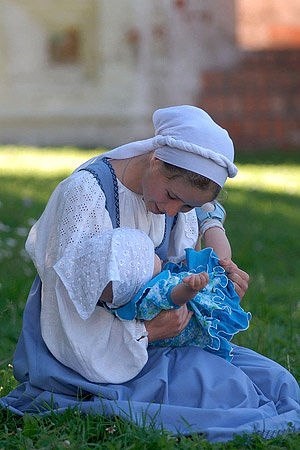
189	138
186	137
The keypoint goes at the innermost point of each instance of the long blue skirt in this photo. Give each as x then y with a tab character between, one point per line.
183	390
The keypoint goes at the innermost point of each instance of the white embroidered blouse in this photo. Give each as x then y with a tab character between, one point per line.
81	335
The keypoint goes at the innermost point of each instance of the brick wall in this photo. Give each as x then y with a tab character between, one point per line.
258	100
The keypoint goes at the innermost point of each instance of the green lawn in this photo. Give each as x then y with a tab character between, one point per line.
263	222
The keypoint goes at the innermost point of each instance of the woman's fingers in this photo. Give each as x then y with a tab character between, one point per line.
168	324
185	320
239	277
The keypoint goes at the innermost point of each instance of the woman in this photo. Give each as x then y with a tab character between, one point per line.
69	342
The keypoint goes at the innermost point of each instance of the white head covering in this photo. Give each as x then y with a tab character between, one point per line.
187	137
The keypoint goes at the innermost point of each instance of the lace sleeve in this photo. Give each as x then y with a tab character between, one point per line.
93	254
122	256
75	212
184	235
82	211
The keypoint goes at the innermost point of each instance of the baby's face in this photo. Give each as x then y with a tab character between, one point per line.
157	265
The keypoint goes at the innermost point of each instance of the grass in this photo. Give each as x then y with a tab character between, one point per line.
74	431
263	226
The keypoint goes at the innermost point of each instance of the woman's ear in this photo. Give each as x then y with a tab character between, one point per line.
155	163
152	160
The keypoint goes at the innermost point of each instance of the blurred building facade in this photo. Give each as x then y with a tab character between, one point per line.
91	72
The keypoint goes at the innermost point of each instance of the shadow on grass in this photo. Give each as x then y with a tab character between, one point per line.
268	157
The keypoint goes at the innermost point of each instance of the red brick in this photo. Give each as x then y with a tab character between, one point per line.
258	100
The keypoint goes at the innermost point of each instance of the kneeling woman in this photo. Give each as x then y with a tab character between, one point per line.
62	360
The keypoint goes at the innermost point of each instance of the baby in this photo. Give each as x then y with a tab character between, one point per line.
200	282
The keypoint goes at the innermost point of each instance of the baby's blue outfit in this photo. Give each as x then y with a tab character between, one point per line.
217	311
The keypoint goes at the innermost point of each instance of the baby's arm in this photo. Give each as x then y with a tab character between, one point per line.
189	287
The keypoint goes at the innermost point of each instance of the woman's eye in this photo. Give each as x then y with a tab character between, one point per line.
171	196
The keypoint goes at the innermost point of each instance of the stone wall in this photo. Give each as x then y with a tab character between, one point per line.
66	72
91	72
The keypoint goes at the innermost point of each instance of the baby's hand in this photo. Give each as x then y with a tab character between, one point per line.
189	288
196	281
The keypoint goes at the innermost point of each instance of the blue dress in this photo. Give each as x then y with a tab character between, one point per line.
184	390
217	311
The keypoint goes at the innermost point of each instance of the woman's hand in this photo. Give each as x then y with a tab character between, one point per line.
168	324
239	278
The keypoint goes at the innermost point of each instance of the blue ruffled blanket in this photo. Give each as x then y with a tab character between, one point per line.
217	311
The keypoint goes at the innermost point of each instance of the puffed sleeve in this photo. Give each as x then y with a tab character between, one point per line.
74	215
123	257
102	348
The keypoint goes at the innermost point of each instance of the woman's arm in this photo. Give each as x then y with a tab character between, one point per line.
216	239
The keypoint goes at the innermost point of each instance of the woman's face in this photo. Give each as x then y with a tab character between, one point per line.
164	196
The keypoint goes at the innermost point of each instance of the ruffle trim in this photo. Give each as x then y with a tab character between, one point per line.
217	316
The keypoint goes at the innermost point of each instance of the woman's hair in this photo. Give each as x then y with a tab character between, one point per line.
196	180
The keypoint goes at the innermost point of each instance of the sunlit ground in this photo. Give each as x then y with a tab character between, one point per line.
270	178
40	162
283	178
